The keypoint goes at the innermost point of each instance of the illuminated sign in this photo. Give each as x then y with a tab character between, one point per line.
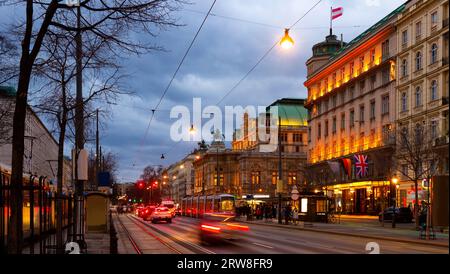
304	205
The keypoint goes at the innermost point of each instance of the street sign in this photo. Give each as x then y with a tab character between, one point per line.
279	186
294	193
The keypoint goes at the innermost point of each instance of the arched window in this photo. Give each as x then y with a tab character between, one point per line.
434	52
433	91
404	101
418	96
404	67
418	60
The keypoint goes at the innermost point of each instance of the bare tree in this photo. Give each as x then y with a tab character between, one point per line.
56	69
416	158
8	66
108	20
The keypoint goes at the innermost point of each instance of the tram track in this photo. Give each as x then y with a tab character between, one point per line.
182	242
130	238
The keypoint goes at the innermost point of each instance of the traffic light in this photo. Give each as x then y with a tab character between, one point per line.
140	184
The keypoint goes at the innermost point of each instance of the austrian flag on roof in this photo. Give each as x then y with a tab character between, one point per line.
336	12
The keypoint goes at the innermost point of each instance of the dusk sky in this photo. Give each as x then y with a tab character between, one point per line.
223	53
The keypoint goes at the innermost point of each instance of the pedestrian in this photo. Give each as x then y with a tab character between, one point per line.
274	212
295	216
287	214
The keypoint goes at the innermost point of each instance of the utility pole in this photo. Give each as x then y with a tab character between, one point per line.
280	170
79	134
97	151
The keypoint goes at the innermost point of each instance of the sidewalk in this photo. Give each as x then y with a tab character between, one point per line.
372	230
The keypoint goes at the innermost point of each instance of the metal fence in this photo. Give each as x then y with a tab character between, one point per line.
39	214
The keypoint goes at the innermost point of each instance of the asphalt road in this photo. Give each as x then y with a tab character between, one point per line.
182	235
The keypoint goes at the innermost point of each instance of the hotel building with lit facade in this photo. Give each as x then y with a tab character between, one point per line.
351	103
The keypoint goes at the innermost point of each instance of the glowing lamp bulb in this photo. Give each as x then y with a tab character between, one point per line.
286	42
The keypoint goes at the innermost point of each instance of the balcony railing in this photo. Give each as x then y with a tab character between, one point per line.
445	100
388	139
441	141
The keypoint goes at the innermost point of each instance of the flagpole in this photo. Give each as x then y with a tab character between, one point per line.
331	21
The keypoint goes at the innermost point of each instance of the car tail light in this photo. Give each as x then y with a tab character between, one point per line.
239	227
211	228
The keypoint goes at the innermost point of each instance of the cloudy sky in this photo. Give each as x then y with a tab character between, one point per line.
232	40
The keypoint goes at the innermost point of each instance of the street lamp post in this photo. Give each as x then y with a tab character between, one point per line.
393	197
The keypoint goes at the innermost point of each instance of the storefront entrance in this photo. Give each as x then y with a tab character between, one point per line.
364	198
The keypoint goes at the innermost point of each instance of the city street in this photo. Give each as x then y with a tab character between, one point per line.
182	237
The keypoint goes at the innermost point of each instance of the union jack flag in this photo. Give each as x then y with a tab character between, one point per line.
361	165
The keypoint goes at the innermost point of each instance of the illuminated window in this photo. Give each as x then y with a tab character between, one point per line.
361	62
372	56
292	178
256	177
274	177
298	137
342	74
352	69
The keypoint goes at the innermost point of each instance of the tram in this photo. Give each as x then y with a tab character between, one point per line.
197	206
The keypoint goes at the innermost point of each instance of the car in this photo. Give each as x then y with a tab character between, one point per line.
161	214
220	226
139	211
402	214
170	205
148	210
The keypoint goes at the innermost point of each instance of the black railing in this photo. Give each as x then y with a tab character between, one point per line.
445	100
445	61
445	22
443	140
39	233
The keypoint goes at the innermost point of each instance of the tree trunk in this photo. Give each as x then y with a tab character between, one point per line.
60	174
15	229
416	203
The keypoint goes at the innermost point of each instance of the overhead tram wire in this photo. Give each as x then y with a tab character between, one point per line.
174	74
264	24
264	56
256	64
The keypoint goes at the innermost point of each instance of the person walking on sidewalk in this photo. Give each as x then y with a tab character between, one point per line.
295	216
274	212
287	214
